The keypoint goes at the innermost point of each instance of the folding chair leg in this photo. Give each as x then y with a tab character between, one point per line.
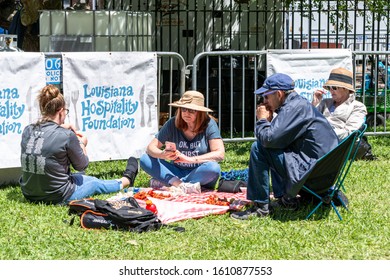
315	209
335	209
333	206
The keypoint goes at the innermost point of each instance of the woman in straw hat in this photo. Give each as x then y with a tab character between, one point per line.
342	110
344	113
192	160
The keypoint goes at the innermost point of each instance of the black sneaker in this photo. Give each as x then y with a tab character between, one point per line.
257	210
369	156
131	170
285	203
340	199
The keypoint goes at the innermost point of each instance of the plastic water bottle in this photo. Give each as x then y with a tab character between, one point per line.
131	190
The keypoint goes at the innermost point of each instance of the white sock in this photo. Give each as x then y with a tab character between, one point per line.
120	184
174	180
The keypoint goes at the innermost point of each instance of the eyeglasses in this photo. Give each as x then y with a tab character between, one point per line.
268	93
188	110
333	88
66	111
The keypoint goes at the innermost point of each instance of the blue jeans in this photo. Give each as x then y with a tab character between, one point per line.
87	186
262	163
206	174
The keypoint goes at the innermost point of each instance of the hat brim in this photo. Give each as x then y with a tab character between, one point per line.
331	83
261	90
191	106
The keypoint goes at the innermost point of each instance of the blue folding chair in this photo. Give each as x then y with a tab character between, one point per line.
328	175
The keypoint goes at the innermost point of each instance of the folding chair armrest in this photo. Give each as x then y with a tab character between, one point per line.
362	129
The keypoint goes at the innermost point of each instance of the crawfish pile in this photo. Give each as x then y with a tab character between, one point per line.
215	200
143	195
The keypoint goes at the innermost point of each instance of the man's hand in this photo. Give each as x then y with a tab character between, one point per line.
263	113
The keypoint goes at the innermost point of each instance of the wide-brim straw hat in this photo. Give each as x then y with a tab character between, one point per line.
193	100
340	77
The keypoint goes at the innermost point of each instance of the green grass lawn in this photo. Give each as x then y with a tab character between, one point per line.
38	232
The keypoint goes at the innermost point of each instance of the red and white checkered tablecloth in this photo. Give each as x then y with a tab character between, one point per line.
192	206
202	197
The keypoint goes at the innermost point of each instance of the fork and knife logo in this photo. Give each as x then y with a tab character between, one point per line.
149	102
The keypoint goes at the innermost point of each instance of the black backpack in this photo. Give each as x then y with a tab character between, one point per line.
124	215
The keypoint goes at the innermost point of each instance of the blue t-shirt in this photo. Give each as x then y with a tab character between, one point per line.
191	148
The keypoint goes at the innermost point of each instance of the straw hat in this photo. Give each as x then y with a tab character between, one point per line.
191	100
340	77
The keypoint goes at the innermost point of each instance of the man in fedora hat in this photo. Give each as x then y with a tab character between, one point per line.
185	153
344	113
288	145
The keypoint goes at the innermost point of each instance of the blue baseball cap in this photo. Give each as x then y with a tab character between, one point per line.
275	82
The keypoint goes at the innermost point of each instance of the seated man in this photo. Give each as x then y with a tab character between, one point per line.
287	146
344	113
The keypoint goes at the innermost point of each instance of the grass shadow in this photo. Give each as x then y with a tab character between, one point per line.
105	174
301	214
15	194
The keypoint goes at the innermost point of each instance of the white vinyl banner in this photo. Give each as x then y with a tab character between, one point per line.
309	68
112	98
22	76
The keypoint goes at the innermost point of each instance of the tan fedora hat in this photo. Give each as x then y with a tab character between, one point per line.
193	100
340	77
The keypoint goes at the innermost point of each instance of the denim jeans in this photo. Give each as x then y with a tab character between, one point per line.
262	163
206	174
87	186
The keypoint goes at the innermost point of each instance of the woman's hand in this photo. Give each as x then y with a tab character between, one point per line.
185	159
82	138
216	154
317	96
169	155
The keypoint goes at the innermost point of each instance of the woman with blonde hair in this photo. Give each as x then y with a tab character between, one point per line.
48	150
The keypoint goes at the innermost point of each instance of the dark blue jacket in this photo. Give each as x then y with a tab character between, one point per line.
303	134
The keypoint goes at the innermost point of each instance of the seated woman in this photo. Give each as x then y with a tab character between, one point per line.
48	149
192	161
344	113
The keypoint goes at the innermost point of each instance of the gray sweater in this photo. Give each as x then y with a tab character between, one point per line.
47	152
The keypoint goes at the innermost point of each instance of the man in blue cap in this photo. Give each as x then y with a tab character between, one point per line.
291	136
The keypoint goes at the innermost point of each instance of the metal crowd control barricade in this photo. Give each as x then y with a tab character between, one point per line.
372	83
171	79
228	80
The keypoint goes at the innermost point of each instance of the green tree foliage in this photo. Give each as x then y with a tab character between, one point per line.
372	10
